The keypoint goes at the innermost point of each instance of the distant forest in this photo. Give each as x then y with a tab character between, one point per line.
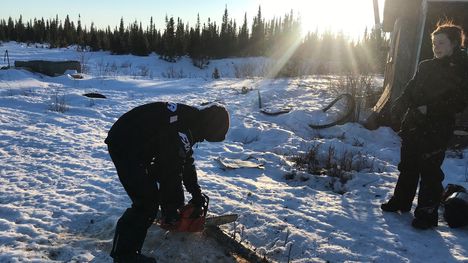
328	52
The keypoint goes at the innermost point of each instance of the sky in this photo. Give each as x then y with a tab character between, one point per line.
348	16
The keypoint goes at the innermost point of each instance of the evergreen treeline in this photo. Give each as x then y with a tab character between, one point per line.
208	40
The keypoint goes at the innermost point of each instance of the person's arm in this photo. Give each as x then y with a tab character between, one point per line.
190	179
412	96
409	97
404	101
168	169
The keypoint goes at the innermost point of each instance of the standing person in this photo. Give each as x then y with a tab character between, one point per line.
431	99
151	145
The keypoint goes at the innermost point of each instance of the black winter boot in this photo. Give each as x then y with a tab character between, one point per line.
394	205
425	217
130	234
424	223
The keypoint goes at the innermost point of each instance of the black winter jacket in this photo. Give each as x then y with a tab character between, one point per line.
161	133
438	91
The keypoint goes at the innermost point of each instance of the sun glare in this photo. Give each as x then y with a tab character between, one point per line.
347	16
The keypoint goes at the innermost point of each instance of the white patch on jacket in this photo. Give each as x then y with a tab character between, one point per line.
183	137
172	106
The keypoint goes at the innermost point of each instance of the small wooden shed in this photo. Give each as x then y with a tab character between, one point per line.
410	23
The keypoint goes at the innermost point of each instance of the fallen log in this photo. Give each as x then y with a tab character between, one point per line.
240	252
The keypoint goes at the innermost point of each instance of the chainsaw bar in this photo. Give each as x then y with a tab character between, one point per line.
220	220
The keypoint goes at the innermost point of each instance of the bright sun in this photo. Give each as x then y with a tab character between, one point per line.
348	16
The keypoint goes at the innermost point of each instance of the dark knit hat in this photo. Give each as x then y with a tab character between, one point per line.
215	123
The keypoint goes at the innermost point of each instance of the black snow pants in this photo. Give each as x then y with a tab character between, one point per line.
421	162
140	181
142	189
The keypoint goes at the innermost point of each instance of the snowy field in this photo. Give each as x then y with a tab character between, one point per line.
60	196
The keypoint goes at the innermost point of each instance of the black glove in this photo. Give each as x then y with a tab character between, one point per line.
199	203
198	200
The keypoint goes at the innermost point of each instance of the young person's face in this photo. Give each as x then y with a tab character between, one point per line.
442	46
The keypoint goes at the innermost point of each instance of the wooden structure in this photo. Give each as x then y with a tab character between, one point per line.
410	23
50	68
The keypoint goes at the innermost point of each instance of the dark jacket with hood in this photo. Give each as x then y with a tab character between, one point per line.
160	135
438	91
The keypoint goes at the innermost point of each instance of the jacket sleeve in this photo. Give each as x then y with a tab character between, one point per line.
413	91
454	100
190	177
169	168
409	98
405	100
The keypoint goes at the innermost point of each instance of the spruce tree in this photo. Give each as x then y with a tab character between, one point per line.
94	41
257	40
179	45
152	37
114	40
10	32
19	28
138	42
79	33
243	38
195	46
168	53
224	38
2	31
119	40
28	35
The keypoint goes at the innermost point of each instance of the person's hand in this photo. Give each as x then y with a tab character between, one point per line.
198	200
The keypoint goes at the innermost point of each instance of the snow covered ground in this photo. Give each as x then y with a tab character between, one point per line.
60	197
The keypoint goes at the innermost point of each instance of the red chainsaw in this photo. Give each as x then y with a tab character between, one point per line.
193	218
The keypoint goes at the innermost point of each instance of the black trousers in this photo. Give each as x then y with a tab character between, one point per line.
140	181
421	162
142	189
